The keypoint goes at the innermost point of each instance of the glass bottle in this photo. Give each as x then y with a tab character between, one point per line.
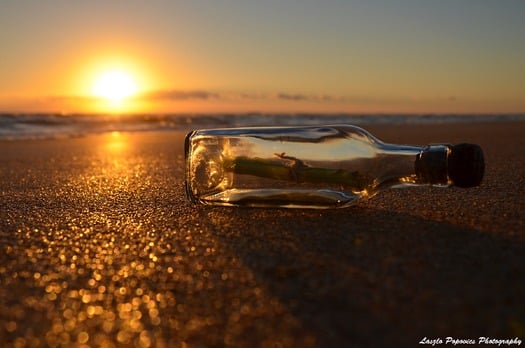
315	166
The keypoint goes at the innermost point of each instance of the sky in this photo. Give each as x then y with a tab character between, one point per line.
201	56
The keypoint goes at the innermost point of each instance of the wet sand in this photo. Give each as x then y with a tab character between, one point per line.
98	247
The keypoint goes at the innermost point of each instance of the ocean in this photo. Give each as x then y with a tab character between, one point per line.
53	126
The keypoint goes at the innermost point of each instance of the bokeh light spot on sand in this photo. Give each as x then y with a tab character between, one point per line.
83	337
10	326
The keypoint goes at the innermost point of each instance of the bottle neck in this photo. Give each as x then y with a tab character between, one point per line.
431	165
413	165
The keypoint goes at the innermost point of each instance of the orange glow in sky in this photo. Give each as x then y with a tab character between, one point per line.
295	56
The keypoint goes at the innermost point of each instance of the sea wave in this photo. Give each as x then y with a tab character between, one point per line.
51	126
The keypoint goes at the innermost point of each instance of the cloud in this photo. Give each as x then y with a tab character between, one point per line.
180	95
204	95
174	95
315	97
294	97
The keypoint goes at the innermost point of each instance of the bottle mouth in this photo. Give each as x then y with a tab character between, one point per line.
466	165
431	165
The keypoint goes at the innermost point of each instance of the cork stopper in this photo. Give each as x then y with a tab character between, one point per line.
466	165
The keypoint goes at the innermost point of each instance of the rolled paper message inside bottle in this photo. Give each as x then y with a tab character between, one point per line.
315	166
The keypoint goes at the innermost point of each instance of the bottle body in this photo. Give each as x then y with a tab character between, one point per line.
305	167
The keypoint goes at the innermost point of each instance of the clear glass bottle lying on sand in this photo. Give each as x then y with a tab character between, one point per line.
315	166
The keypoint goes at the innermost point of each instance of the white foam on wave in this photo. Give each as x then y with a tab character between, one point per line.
51	126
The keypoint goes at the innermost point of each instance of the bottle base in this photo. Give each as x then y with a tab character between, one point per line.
278	198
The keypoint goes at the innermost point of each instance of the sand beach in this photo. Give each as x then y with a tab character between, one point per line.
99	247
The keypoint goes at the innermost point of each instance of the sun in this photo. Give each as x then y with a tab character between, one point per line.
114	86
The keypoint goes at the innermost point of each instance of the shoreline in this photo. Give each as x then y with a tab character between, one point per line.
53	126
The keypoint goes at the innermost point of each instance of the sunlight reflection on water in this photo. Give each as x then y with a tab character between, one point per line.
116	142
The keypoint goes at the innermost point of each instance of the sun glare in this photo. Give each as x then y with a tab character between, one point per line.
114	86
